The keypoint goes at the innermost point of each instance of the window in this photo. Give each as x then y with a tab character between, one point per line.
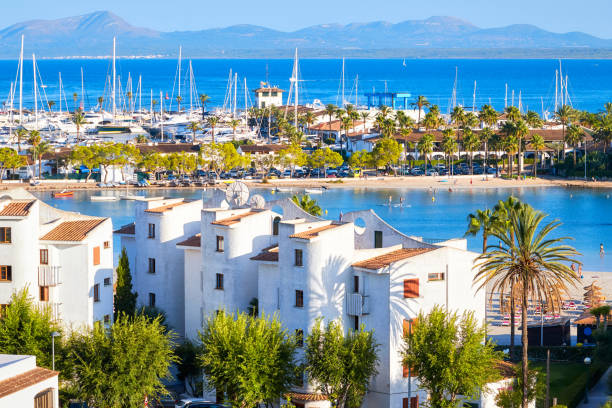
273	93
44	293
152	299
107	281
6	273
44	399
356	284
96	255
275	225
299	261
412	402
44	257
378	239
151	231
151	265
219	281
408	328
106	244
299	337
5	235
411	288
299	298
107	319
355	323
438	276
97	292
219	243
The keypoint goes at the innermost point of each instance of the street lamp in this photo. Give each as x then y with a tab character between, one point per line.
587	362
53	336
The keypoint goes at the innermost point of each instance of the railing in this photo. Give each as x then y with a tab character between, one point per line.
357	304
49	275
52	307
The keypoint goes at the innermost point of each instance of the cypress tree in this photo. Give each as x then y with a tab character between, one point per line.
125	299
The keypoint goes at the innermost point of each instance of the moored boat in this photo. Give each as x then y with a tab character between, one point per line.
63	193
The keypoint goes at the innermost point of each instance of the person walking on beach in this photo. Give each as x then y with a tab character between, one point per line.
573	268
601	250
580	272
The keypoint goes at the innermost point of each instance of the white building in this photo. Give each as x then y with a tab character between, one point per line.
23	384
267	96
65	259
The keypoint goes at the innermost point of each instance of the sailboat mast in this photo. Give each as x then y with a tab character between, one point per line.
82	91
35	91
235	93
342	102
474	99
60	94
506	97
295	84
179	75
21	84
114	78
556	89
513	97
151	108
561	80
190	87
357	90
246	106
161	115
140	94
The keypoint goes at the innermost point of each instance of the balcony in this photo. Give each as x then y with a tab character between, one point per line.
49	275
357	304
52	307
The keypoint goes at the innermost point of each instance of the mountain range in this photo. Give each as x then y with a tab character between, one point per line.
91	35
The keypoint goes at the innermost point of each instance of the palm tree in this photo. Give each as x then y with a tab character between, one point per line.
520	130
603	132
79	120
179	99
330	110
574	135
100	102
481	220
509	129
530	260
307	204
51	104
309	119
20	134
537	144
564	115
75	97
425	146
34	140
204	100
449	145
212	122
42	149
154	104
364	116
488	116
513	113
471	142
420	103
533	120
457	116
234	123
485	137
194	127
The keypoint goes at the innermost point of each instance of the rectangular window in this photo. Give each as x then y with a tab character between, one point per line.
438	276
151	231
107	281
44	257
408	327
96	255
412	402
44	293
220	247
97	292
275	225
151	265
44	399
152	299
5	235
106	319
299	298
411	288
106	244
299	337
219	281
355	323
299	261
356	284
6	273
378	239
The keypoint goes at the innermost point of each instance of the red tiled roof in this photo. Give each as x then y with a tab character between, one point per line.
506	369
25	380
72	230
129	229
335	126
17	208
298	396
235	219
193	241
168	207
314	232
387	259
264	89
269	254
268	148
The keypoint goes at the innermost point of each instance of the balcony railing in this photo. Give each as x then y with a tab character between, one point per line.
49	275
52	307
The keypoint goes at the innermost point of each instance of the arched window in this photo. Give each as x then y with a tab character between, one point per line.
275	223
44	399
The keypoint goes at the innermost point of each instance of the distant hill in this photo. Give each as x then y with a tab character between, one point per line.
91	35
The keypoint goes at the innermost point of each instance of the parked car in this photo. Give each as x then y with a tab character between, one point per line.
199	403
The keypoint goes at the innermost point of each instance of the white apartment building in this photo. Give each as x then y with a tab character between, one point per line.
65	259
23	384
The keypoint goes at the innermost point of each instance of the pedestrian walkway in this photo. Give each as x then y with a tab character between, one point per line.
599	394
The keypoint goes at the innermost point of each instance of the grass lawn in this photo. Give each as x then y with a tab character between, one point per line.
566	379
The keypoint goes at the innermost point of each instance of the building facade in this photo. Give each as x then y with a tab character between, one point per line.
23	384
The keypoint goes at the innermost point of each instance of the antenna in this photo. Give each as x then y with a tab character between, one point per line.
257	201
237	194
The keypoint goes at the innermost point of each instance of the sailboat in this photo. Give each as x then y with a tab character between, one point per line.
404	63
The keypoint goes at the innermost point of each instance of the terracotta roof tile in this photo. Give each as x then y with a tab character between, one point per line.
72	230
314	232
506	369
269	254
262	148
387	259
298	396
235	219
128	229
17	208
193	241
168	207
25	380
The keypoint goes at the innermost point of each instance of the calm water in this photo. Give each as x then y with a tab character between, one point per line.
586	214
590	81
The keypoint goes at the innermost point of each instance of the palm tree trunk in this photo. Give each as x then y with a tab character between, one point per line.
484	242
512	327
524	338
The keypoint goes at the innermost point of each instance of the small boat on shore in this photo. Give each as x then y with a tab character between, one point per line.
314	190
63	193
103	198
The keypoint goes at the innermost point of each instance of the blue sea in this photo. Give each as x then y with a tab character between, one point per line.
589	81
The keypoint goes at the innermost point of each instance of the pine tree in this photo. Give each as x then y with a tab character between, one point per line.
125	299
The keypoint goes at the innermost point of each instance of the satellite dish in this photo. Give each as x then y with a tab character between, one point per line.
257	201
237	194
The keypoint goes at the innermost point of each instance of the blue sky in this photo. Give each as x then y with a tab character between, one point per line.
557	16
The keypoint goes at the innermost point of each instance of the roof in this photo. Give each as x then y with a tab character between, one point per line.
235	219
17	208
25	380
72	230
334	126
587	318
298	396
193	241
314	232
267	148
506	369
387	259
128	229
168	207
264	89
269	254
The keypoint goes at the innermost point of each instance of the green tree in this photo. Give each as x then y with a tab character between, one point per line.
234	123
482	220
251	360
386	152
324	158
204	100
330	111
292	156
137	351
9	159
537	144
340	365
533	120
125	299
420	103
511	396
450	356
194	127
221	157
530	260
573	137
79	120
212	122
425	146
471	142
360	159
565	114
307	204
189	371
20	135
449	145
